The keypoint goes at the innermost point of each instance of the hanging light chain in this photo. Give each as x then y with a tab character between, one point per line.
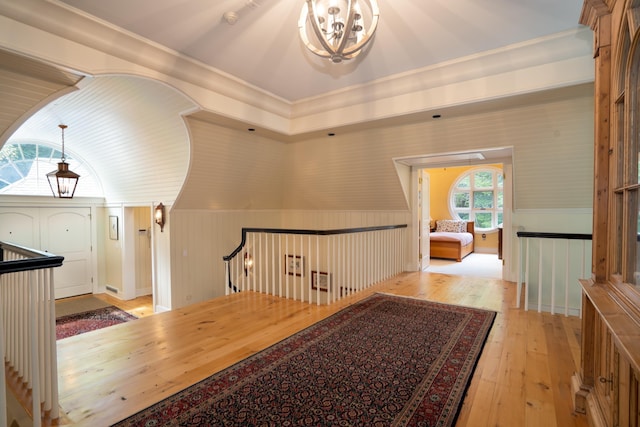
62	127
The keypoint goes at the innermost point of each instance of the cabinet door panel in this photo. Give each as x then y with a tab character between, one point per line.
604	370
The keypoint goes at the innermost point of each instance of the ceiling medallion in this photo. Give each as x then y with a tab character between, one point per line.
338	29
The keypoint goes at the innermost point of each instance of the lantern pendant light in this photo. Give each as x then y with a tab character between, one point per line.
63	181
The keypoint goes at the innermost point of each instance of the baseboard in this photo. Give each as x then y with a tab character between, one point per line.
160	309
546	308
143	291
493	251
579	395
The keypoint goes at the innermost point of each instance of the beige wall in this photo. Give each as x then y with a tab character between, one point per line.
113	250
239	180
200	238
142	234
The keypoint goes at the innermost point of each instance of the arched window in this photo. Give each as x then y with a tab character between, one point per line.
624	159
24	166
477	196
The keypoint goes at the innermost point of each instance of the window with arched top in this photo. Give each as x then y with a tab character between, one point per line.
24	166
477	195
624	250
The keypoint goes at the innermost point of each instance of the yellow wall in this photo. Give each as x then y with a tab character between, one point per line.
440	182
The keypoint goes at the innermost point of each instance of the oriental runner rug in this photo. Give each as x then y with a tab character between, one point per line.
79	323
385	361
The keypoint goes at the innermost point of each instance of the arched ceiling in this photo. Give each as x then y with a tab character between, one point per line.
134	138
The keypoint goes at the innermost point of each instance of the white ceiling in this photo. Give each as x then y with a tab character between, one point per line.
263	51
263	48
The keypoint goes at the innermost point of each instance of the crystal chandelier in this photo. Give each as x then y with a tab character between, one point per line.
63	181
338	29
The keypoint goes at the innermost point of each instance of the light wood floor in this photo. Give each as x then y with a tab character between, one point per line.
522	377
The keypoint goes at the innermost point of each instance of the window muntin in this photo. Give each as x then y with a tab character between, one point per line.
624	184
24	166
478	196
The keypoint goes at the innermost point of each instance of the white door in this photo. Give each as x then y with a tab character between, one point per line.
67	232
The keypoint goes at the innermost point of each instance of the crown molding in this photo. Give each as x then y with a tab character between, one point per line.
556	48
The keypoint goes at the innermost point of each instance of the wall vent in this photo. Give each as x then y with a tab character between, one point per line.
112	289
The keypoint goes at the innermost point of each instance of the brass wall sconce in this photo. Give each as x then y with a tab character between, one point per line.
159	216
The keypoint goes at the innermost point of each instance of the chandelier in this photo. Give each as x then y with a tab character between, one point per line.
338	29
63	181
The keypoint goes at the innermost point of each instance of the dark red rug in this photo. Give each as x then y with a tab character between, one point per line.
79	323
384	361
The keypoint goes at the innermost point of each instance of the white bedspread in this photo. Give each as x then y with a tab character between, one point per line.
465	238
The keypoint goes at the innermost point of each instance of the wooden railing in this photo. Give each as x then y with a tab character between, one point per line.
28	327
317	266
550	265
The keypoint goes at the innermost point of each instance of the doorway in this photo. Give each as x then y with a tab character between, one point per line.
422	189
458	191
130	272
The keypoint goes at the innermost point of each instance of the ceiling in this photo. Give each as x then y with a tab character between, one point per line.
261	63
263	47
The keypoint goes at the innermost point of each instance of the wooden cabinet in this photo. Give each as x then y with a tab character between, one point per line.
607	388
605	367
628	388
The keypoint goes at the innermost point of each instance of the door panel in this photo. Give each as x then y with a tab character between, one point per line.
21	228
67	232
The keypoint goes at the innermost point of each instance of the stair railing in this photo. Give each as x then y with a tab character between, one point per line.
550	265
317	266
28	327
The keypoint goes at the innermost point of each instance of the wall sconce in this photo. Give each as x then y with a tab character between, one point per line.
248	263
159	216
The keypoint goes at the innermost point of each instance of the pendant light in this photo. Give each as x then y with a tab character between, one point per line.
338	29
63	181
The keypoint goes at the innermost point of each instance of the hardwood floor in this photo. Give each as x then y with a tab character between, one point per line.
522	377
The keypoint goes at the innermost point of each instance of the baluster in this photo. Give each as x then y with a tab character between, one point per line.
566	279
272	258
539	276
280	265
318	270
553	278
520	264
526	279
286	276
3	337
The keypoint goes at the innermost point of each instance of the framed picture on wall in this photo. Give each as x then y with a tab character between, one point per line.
294	265
113	227
320	280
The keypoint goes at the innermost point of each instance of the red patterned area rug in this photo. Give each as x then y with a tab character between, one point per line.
79	323
385	361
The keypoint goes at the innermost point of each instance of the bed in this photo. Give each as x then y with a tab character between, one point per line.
452	239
